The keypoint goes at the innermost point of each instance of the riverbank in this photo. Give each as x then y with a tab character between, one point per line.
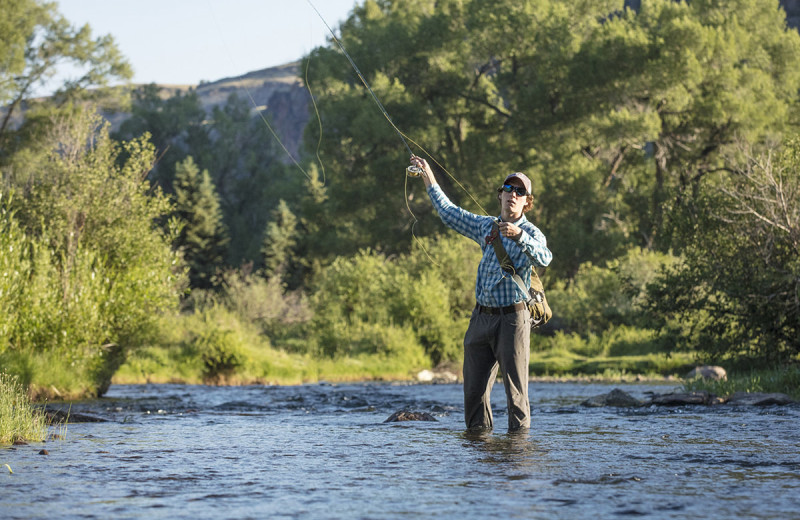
274	367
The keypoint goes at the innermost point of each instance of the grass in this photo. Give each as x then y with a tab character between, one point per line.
263	366
785	380
19	421
561	362
220	349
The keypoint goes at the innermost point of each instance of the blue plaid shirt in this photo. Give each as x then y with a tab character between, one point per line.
493	286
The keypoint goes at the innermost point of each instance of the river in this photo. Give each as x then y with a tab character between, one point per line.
323	452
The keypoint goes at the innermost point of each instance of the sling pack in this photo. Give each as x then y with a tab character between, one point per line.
537	302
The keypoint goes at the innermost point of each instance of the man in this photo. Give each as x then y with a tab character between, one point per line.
499	329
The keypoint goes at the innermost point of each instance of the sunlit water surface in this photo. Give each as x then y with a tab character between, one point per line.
324	452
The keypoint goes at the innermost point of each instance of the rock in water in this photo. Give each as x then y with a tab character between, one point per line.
757	399
426	376
410	416
680	399
616	397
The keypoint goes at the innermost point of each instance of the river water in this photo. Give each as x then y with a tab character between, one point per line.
324	452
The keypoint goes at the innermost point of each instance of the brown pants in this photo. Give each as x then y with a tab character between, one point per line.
497	341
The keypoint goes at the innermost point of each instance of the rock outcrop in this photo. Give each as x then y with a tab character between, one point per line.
616	398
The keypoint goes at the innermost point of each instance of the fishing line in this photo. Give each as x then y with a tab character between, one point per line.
264	119
412	170
403	136
361	77
319	120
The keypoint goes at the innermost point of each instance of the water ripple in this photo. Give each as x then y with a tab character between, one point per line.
323	452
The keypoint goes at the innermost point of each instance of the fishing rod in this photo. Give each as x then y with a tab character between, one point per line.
411	171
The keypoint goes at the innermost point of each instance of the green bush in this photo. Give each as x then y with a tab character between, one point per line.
425	291
736	294
97	270
279	314
217	338
598	298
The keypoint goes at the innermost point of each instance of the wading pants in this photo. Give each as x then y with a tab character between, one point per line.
497	339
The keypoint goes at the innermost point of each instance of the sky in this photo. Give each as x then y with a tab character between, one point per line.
188	41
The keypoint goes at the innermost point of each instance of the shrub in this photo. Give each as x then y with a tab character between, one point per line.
97	270
414	292
736	294
598	298
216	337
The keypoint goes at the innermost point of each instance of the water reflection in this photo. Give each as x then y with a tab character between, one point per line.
515	449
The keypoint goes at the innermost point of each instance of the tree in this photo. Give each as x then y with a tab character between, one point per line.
627	113
737	292
203	237
98	269
231	143
177	126
279	239
249	176
35	40
664	91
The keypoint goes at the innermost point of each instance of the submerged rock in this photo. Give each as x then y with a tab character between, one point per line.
621	399
683	398
708	372
60	416
409	416
616	397
758	399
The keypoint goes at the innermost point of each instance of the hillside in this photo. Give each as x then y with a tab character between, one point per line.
278	92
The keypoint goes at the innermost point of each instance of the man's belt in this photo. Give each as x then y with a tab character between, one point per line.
502	310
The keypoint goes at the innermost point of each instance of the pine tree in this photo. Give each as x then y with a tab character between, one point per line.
279	239
204	237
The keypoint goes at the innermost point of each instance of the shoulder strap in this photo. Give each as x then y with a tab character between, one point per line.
504	259
502	255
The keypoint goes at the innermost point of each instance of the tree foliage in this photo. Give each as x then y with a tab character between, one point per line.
92	270
626	112
645	134
233	145
35	43
737	292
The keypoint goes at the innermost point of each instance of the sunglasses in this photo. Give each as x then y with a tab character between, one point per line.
521	192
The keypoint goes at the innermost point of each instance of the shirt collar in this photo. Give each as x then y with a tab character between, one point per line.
516	222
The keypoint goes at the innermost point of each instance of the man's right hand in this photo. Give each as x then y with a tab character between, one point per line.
427	173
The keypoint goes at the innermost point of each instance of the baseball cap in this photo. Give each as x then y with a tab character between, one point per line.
523	178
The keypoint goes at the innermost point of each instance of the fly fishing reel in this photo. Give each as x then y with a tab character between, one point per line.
413	171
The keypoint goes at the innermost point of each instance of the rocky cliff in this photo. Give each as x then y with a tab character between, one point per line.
277	92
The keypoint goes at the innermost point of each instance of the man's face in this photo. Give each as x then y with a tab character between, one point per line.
512	204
